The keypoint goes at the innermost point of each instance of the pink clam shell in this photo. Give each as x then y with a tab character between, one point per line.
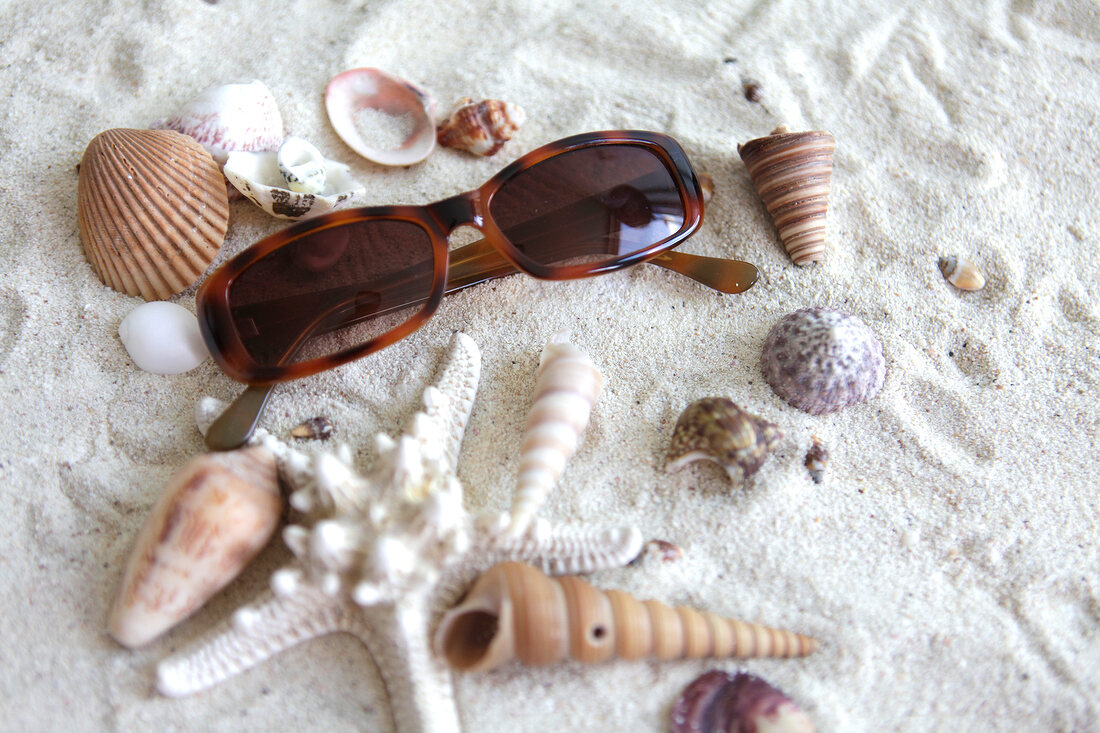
350	92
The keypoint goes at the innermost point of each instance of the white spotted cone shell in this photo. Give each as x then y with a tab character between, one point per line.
791	172
214	515
153	210
568	386
516	612
481	128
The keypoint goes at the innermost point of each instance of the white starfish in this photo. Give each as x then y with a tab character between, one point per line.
383	554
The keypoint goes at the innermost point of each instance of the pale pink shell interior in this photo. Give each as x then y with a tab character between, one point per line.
352	91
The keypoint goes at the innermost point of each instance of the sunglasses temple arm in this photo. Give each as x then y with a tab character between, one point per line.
475	263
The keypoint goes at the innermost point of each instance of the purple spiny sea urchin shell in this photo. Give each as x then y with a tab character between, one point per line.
718	702
820	360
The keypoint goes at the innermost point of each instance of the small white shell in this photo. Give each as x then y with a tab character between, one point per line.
567	388
163	338
259	177
302	165
361	98
240	116
961	273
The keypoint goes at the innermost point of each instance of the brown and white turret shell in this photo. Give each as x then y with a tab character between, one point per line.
715	429
719	702
821	359
514	611
482	127
152	208
791	172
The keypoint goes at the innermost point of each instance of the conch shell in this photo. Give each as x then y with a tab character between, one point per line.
567	388
791	172
152	208
716	429
514	611
215	514
481	128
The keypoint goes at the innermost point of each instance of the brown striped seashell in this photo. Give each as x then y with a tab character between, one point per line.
215	514
481	128
514	611
152	208
791	172
961	273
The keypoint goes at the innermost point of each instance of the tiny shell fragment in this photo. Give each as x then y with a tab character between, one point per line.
961	273
706	184
817	458
315	428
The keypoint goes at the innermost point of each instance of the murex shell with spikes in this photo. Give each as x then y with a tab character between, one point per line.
381	554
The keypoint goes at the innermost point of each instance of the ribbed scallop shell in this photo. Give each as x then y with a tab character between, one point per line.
568	386
820	360
152	208
791	172
482	127
214	515
514	611
716	429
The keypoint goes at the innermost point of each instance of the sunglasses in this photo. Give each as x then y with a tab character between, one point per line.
337	287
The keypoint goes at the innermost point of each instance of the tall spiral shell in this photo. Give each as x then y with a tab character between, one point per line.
791	172
567	388
152	208
214	515
514	611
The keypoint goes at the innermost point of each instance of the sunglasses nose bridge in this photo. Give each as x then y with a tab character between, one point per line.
463	209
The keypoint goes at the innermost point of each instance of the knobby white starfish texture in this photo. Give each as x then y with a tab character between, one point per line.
381	555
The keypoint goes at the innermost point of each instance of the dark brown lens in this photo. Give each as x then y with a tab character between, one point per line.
589	206
331	290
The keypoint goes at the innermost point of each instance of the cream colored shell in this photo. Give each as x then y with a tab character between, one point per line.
215	514
568	385
791	171
514	611
152	208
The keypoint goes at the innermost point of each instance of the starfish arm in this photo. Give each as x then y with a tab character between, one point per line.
565	549
418	683
451	400
253	634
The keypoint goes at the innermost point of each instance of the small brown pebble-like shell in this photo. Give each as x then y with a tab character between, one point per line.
817	458
963	274
481	128
514	611
715	429
706	185
315	428
152	208
791	172
718	702
821	359
214	515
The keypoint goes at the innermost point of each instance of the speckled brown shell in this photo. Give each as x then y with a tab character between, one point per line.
719	702
791	171
821	359
514	611
716	429
152	208
214	515
481	128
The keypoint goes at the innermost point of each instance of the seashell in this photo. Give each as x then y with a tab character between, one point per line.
718	702
152	209
163	338
791	172
567	387
963	274
817	458
228	117
820	360
261	178
706	185
214	515
514	611
385	107
715	429
481	128
662	550
315	428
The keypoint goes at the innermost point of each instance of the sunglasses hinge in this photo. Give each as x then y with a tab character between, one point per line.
456	211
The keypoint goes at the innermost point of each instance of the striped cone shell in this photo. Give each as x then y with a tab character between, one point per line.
514	611
153	210
791	172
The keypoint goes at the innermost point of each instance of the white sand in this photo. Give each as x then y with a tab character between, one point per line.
949	562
